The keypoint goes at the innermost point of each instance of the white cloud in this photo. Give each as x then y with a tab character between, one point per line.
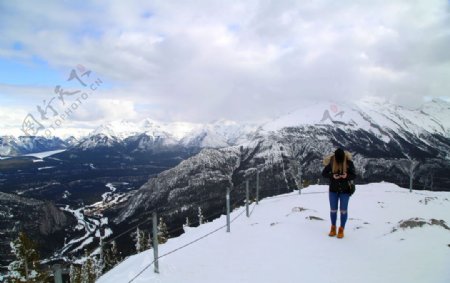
101	110
243	60
10	120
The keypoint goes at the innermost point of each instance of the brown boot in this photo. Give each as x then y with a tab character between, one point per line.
340	233
332	231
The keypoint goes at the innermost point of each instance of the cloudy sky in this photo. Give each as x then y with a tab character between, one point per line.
200	61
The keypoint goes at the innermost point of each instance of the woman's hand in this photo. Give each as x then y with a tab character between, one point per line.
339	176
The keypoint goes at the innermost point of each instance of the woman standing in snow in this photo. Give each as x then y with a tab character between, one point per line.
340	170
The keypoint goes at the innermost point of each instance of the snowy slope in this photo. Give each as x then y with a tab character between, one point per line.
119	129
100	140
374	116
440	109
284	240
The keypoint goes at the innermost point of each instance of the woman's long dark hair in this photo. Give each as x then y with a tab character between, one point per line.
339	165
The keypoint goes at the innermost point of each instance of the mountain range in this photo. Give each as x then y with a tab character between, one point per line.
141	136
379	118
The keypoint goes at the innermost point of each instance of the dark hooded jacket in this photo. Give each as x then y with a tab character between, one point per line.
339	185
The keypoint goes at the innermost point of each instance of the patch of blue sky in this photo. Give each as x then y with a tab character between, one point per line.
17	46
37	72
147	15
32	72
287	45
87	32
234	27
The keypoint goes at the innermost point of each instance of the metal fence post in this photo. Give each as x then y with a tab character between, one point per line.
102	255
410	183
247	196
300	186
257	186
155	241
228	209
411	174
57	274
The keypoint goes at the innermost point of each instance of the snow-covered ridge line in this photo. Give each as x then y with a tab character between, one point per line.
375	117
380	118
218	134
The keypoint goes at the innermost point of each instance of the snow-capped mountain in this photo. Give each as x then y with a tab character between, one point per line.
377	117
13	146
391	236
98	141
219	134
440	110
71	140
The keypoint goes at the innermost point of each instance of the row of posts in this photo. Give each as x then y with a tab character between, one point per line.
57	268
247	195
228	208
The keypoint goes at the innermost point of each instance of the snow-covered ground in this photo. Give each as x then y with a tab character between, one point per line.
45	154
285	241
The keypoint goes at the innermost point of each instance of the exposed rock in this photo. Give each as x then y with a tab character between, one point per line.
42	221
419	222
299	209
314	218
52	219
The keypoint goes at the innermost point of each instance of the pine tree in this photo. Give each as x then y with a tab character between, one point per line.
163	234
144	241
111	256
150	241
187	224
139	240
88	274
100	261
99	265
26	267
200	216
75	274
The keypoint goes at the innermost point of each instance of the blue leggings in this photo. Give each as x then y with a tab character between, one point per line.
343	199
